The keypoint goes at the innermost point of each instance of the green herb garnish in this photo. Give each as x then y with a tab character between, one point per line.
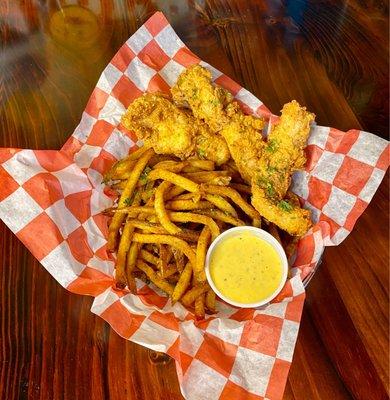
129	201
201	153
285	205
144	176
272	146
267	186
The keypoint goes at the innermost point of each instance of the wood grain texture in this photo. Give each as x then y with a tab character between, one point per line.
330	55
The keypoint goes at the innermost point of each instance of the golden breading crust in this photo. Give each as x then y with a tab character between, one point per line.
171	130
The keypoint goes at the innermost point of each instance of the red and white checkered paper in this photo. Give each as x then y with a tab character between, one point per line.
52	201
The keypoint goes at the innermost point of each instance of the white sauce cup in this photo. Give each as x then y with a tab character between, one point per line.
260	233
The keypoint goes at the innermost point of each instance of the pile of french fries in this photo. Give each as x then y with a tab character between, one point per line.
168	212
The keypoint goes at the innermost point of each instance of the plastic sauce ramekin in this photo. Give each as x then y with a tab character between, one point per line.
260	233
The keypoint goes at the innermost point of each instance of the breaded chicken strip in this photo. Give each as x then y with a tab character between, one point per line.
266	165
216	107
283	155
170	130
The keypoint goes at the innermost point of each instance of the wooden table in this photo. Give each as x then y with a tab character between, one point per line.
329	55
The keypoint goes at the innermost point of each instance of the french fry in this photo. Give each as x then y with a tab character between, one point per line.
234	196
205	176
220	216
221	203
157	158
175	191
256	222
179	259
117	219
183	283
195	197
188	196
169	271
201	249
195	165
136	155
149	257
163	259
150	227
173	278
183	205
130	265
161	212
192	217
176	179
124	245
199	307
171	166
178	217
169	240
273	230
120	170
240	187
210	300
152	275
193	294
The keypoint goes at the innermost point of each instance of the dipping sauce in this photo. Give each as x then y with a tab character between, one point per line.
245	268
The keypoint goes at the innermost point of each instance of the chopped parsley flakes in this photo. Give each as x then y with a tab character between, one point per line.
144	176
272	146
285	205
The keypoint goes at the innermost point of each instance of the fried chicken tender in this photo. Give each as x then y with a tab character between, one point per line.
170	130
267	166
216	107
283	155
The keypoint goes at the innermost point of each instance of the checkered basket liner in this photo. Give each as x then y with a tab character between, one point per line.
52	201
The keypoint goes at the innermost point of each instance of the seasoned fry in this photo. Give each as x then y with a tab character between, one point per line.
124	245
176	179
126	194
201	249
161	212
235	197
179	259
221	203
152	275
210	301
178	217
192	217
150	227
161	157
163	259
122	168
273	230
193	294
183	205
183	283
240	187
175	191
256	223
199	306
149	257
169	271
220	216
205	176
195	165
130	265
188	196
166	239
171	166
